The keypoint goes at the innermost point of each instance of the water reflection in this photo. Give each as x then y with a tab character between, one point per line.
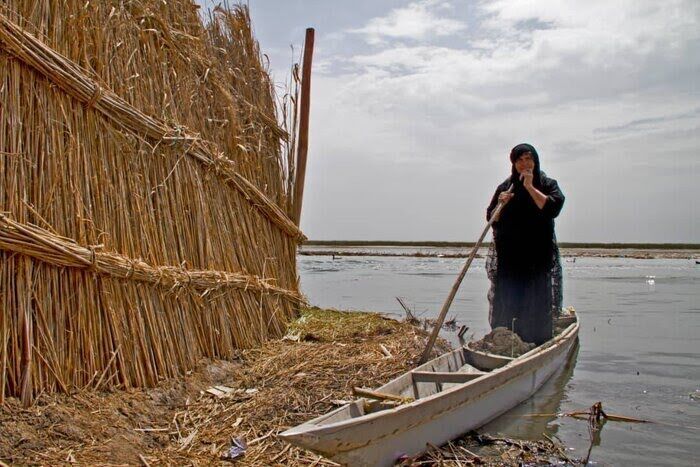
537	415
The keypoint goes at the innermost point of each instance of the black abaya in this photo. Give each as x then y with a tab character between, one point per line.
523	263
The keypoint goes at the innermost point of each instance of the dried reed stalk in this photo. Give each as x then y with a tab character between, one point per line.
70	78
145	188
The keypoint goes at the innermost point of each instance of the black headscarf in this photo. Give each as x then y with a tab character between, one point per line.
515	153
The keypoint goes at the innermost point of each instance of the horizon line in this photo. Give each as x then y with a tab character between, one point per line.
442	243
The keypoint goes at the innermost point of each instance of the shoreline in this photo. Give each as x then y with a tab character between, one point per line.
631	253
447	244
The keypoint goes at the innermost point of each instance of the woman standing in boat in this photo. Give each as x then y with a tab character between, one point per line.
523	262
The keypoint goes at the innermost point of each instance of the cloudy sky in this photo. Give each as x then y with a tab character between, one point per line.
416	104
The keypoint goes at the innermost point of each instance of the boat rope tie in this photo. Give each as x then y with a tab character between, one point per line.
45	246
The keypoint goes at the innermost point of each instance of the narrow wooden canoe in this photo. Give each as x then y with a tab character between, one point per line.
454	393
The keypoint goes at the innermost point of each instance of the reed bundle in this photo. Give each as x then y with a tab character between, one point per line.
144	190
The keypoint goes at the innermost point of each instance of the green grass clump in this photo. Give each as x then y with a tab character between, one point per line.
322	325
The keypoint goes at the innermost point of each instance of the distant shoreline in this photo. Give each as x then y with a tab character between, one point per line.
563	245
463	250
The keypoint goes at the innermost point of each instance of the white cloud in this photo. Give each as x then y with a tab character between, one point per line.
607	92
597	29
602	51
416	21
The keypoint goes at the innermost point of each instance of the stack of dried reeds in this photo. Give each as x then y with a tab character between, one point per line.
144	192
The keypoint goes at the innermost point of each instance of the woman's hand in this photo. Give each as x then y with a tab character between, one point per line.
526	178
504	197
537	196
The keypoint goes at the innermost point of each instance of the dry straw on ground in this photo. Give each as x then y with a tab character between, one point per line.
283	383
269	389
144	192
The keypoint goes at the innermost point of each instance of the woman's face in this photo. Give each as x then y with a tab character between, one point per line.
525	163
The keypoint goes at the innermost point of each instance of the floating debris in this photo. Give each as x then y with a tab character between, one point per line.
426	323
483	449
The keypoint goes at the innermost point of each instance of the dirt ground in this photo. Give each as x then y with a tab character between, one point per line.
201	418
267	390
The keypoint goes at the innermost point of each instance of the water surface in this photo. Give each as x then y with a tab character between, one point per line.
639	343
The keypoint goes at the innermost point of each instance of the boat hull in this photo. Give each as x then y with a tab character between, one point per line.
381	438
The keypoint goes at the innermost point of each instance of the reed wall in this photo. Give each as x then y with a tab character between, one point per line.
144	194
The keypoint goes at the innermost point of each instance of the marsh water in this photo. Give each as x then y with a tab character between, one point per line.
639	350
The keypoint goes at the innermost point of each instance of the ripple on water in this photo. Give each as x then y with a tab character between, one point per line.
425	274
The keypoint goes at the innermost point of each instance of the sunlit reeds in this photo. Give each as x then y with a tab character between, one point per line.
144	191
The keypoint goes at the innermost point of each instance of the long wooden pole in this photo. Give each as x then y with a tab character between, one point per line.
303	144
448	302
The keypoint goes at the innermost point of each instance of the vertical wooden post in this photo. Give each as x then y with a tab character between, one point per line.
303	143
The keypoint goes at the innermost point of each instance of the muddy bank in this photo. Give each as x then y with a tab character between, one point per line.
631	253
342	253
